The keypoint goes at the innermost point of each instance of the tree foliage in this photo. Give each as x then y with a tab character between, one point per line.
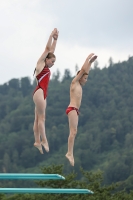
90	180
105	132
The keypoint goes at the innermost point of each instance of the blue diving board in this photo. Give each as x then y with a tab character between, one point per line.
30	176
45	190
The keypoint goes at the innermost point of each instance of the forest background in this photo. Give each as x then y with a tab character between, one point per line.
105	133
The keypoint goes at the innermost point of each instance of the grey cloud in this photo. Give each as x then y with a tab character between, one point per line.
96	23
105	25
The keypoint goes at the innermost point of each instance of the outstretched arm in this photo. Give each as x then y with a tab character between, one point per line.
87	64
55	37
50	46
86	67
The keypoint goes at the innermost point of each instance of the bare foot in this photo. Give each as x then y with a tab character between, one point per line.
45	145
39	147
70	158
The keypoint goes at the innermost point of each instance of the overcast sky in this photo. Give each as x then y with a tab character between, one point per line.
100	26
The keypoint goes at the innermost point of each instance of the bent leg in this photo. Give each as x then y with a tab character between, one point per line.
40	103
73	123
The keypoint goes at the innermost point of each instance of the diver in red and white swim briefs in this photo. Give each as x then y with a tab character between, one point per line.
42	71
75	101
69	109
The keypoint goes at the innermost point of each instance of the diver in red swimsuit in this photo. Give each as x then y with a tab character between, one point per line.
43	80
42	71
75	101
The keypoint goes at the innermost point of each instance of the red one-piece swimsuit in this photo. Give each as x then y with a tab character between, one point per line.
43	81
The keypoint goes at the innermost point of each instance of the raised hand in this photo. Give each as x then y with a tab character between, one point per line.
87	64
91	58
55	34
